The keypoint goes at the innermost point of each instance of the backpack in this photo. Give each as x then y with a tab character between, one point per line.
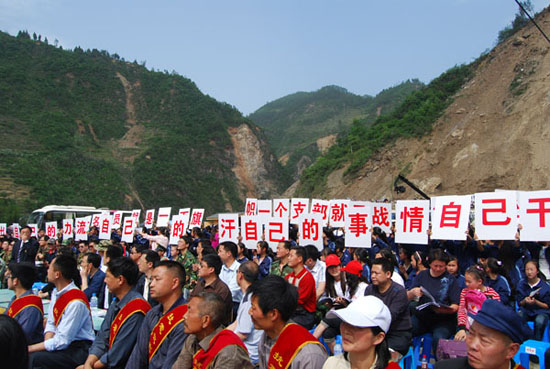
473	299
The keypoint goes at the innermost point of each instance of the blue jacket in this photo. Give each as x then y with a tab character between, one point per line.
95	283
501	285
543	295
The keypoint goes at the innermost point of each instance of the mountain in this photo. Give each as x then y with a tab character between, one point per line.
303	125
89	128
477	127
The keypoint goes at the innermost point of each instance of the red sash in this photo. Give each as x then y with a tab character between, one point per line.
164	326
224	338
65	299
135	306
24	302
290	342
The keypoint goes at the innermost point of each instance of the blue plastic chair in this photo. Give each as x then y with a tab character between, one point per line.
532	347
424	342
407	361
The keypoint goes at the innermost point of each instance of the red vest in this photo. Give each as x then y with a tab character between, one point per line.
202	359
24	302
290	342
133	307
62	303
164	326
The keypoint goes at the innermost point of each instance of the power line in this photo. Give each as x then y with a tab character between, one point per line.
532	20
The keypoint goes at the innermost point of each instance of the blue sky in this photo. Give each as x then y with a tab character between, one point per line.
249	52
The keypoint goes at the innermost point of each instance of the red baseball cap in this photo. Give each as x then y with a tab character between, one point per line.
332	260
353	267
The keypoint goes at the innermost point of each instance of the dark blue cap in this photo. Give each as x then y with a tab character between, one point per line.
494	314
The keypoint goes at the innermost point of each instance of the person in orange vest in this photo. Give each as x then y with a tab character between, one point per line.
69	331
162	332
283	344
209	344
118	333
25	307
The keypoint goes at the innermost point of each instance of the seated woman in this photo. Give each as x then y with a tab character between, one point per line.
534	298
365	323
440	319
472	297
497	279
453	269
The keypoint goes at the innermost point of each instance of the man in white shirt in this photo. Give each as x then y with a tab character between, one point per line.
317	268
227	251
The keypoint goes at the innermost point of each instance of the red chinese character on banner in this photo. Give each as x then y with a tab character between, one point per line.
251	208
320	208
380	216
337	212
179	228
413	217
299	208
81	227
105	226
196	218
276	228
128	227
310	229
501	209
450	215
149	216
68	228
542	210
251	230
358	224
95	221
50	231
2	230
227	225
116	218
280	209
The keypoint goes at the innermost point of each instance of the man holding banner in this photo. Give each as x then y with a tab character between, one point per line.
162	333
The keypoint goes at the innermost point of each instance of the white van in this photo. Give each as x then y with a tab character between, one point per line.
57	213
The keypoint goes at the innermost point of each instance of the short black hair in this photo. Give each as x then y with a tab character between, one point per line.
93	259
205	243
151	257
312	252
438	254
274	293
209	250
175	268
25	272
300	251
286	244
15	353
231	247
139	248
385	264
66	265
250	270
113	252
213	261
124	267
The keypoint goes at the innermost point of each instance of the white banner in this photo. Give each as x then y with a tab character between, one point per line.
412	221
276	230
196	218
251	207
179	226
163	217
149	218
337	212
51	229
228	227
135	214
534	216
298	207
81	227
34	229
128	227
117	219
311	230
16	230
496	215
321	207
68	229
450	217
358	224
105	227
3	229
382	216
251	231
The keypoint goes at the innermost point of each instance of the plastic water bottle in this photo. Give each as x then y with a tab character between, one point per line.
93	301
338	349
424	364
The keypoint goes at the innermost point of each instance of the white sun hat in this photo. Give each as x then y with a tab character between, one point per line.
366	311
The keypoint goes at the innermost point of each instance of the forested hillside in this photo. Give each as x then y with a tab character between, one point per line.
85	127
302	125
